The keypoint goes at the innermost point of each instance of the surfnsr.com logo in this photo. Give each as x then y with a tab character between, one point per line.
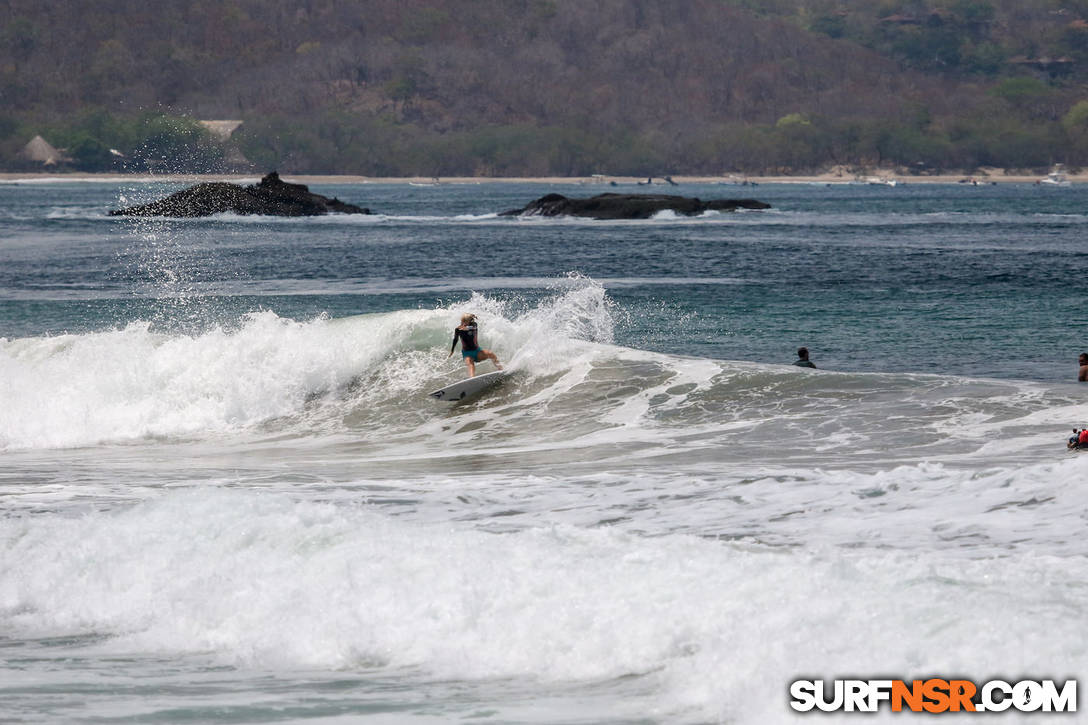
934	695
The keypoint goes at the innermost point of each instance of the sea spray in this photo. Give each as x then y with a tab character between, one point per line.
130	383
135	382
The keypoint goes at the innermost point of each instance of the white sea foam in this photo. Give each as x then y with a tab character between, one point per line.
710	629
132	383
279	522
573	388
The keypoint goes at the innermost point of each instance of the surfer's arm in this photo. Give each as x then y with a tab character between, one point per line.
454	345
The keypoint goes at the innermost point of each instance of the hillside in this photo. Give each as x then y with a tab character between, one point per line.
545	86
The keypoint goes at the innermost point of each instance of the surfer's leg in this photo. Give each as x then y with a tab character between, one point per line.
493	358
471	367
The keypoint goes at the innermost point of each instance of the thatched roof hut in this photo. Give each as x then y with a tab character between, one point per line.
221	130
40	150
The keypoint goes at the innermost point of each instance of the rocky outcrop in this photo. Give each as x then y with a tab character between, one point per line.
629	206
270	196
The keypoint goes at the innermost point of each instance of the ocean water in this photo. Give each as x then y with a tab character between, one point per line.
225	495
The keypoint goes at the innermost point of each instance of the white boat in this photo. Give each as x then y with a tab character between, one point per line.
873	181
1056	177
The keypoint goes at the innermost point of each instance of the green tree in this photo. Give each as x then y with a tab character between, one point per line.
20	39
985	58
176	144
1029	97
90	154
972	12
927	47
831	25
423	24
1073	42
1076	120
8	126
1075	124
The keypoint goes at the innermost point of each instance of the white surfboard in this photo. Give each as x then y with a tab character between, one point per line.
469	386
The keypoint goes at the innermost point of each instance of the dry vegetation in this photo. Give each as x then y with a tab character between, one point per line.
411	87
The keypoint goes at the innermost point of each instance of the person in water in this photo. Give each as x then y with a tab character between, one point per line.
471	351
802	358
1082	375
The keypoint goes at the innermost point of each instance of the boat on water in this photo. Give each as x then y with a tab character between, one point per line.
874	181
1056	177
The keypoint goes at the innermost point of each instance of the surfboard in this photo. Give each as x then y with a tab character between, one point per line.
469	386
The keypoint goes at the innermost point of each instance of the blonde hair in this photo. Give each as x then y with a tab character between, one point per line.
467	318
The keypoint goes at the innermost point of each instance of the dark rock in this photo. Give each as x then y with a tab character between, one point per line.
629	206
271	196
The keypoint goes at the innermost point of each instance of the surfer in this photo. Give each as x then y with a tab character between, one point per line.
802	358
1082	376
470	350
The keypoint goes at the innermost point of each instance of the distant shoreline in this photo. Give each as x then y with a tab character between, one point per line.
993	177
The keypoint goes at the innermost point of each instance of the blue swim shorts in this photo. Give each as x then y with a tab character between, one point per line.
474	354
